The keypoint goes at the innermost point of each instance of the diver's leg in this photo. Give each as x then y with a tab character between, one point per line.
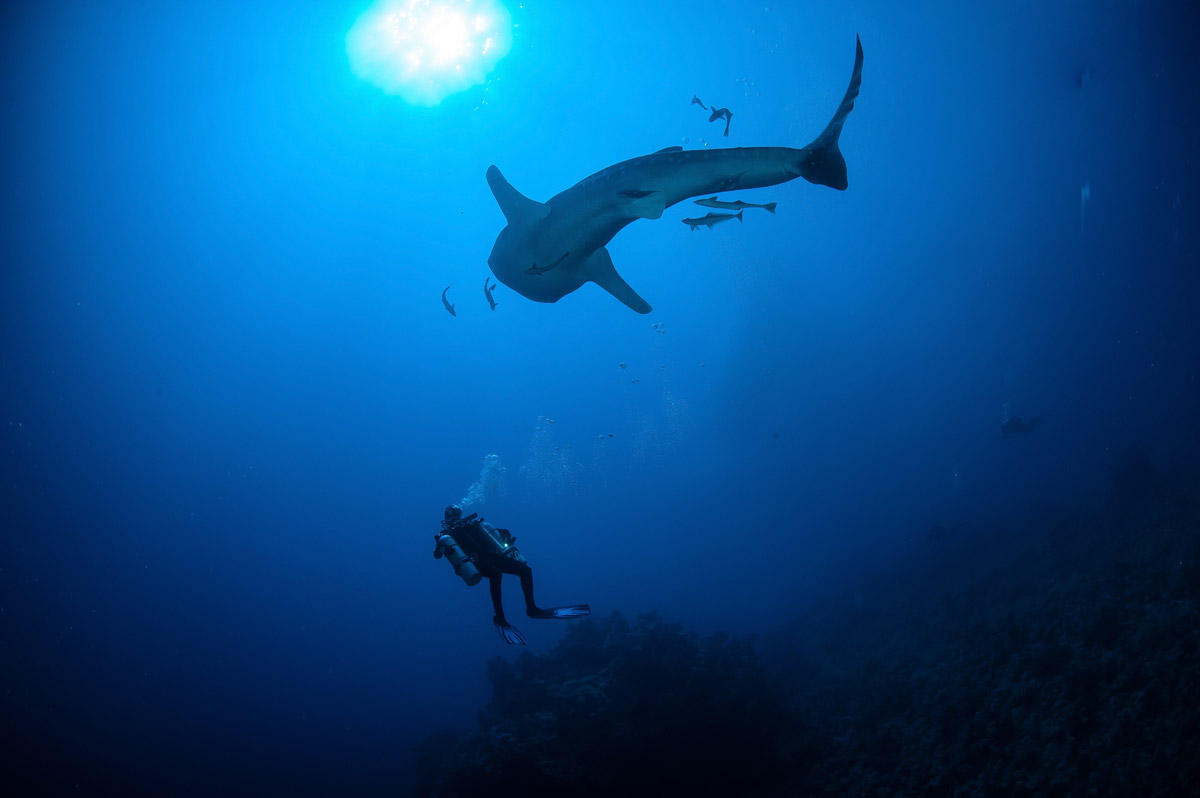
526	575
522	571
508	633
497	603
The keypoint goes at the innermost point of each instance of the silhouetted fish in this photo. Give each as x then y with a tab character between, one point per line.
487	292
535	269
735	205
710	219
718	113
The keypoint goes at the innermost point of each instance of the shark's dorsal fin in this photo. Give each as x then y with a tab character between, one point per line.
676	148
600	270
516	207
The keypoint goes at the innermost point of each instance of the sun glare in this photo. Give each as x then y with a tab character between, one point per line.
426	50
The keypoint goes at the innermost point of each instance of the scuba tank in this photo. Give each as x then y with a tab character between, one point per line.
501	542
481	539
464	566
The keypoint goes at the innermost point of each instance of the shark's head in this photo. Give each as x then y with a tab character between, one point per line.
526	257
543	260
521	260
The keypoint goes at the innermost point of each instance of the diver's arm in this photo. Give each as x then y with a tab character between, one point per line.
437	547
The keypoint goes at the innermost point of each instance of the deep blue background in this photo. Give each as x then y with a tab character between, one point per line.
233	406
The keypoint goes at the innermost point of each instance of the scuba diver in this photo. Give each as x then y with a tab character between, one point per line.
477	549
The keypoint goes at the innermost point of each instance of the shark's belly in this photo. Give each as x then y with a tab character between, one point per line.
714	171
544	262
585	217
681	175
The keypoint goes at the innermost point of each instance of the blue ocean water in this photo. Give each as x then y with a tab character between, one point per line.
234	407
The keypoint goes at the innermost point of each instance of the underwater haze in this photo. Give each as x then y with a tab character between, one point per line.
234	405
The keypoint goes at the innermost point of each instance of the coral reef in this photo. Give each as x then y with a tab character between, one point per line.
1062	659
614	708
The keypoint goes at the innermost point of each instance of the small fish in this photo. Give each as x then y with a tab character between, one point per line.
736	205
709	219
719	113
446	303
535	269
697	101
487	292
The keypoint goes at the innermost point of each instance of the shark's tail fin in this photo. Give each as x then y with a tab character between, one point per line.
739	216
823	163
770	206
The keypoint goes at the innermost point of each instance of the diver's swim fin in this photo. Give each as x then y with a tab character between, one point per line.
510	634
565	613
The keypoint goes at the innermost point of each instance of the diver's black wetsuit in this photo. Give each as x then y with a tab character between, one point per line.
518	569
493	566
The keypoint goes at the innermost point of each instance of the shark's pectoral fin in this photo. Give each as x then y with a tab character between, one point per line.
600	270
516	207
644	203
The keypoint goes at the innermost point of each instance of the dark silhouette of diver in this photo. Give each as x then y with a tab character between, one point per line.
477	549
1015	425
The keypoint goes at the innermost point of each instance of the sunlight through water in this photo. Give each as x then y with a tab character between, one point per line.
426	50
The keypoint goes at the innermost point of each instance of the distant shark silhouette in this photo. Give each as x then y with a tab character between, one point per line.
549	249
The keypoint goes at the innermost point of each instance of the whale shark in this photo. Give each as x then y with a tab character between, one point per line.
571	229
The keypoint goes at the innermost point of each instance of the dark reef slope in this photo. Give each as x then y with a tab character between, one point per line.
614	708
1061	660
